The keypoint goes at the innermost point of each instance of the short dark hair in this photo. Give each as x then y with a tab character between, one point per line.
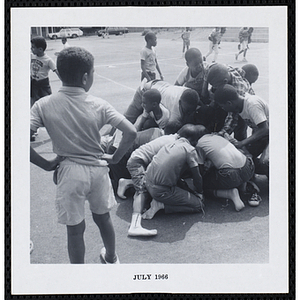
217	70
172	127
193	53
149	35
153	95
39	42
225	93
250	69
190	97
189	131
73	63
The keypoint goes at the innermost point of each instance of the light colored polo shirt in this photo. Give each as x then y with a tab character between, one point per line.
73	120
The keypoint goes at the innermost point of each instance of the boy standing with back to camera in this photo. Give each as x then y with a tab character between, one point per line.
73	120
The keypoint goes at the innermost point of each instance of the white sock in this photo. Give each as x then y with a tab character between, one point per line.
136	228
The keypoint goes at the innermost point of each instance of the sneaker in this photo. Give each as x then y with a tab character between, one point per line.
104	261
31	247
245	60
254	200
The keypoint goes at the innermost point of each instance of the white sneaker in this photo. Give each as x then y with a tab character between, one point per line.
254	200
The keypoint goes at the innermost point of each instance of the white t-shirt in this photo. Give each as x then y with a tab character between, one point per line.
149	56
40	66
220	152
255	111
73	120
163	121
170	96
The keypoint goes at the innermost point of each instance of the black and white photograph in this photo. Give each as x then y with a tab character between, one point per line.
154	140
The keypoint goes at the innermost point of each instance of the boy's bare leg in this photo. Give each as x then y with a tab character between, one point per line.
154	208
123	185
136	228
107	232
76	247
233	195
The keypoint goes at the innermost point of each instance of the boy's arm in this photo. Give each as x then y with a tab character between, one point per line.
129	135
197	179
143	67
140	122
47	165
56	72
205	92
158	69
262	131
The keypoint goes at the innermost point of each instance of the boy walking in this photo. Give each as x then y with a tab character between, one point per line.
214	41
73	120
186	36
149	62
244	38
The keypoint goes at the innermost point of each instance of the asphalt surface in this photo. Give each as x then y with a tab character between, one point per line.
221	235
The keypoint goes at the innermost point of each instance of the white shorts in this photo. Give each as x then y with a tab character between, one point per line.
77	183
244	45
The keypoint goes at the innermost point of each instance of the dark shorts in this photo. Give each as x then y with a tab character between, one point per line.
228	178
152	75
174	198
39	89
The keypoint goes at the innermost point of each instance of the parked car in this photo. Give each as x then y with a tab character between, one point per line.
112	30
66	32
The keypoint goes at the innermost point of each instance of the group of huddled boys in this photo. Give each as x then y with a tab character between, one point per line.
171	133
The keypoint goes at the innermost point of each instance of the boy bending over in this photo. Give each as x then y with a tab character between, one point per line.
73	120
230	170
164	173
255	112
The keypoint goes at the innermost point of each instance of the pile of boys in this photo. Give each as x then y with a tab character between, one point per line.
169	133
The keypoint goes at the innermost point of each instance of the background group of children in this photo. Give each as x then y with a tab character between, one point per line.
215	37
179	129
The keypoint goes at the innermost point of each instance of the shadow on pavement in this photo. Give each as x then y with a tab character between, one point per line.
174	227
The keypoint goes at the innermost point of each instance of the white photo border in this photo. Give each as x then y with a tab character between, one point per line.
51	279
